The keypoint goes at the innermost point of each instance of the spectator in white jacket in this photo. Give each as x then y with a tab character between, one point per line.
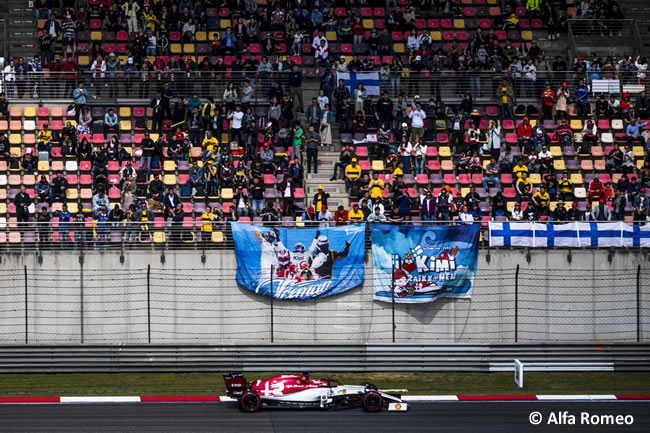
641	65
420	152
417	117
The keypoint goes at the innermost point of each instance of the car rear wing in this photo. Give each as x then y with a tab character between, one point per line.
236	384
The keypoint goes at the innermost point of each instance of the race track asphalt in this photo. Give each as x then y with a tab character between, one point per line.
482	417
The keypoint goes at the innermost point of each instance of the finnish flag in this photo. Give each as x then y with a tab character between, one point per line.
516	234
601	234
370	81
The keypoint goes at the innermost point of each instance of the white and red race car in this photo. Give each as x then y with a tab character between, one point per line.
299	391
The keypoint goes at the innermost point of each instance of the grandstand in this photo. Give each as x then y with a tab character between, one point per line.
430	52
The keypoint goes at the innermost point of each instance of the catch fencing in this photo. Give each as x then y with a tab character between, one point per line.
88	303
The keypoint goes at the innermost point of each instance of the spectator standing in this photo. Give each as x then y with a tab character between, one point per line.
295	86
79	95
312	140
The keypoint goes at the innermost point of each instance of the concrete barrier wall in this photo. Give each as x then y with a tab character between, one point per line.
592	297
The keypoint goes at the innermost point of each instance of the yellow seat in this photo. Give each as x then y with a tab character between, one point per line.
330	36
225	23
14	151
43	166
72	193
638	151
188	48
159	237
125	112
201	36
436	36
398	48
556	151
30	111
83	61
176	48
444	151
15	139
459	23
536	178
527	35
227	193
368	24
154	137
169	179
576	179
559	165
576	124
464	191
125	125
639	164
299	222
217	236
169	165
3	208
96	36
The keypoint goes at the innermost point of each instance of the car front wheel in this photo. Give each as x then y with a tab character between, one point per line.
372	401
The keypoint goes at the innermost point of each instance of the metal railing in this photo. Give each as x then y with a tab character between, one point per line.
448	84
159	236
604	37
321	357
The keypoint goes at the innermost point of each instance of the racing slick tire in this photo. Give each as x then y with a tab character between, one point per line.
370	385
372	401
250	402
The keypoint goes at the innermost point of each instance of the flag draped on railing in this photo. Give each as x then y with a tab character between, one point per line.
573	234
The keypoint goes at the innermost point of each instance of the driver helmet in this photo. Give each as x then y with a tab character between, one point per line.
283	257
299	248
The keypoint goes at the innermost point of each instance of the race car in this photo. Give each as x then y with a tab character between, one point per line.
299	391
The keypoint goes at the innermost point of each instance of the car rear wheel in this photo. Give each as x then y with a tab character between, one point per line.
249	402
372	401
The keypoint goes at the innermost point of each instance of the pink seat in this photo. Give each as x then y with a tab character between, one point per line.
362	152
114	194
85	165
85	179
138	111
43	112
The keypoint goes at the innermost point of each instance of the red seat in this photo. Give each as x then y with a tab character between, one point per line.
433	165
397	36
509	193
433	23
138	111
463	179
446	23
449	178
477	178
85	166
114	194
43	112
422	179
362	152
432	152
72	179
85	179
122	36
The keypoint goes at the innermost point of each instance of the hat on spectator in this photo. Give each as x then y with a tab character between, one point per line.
643	190
354	159
404	124
525	118
130	61
405	190
323	208
418	58
574	204
597	176
588	206
320	186
111	55
416	97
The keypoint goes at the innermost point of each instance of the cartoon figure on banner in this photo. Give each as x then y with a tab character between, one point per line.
409	283
322	260
270	245
316	263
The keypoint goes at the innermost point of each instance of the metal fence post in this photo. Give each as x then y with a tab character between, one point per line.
81	296
638	303
517	304
392	298
26	311
149	303
272	296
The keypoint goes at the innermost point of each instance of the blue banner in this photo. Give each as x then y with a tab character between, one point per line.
299	263
424	263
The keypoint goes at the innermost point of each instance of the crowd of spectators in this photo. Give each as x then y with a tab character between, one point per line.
193	106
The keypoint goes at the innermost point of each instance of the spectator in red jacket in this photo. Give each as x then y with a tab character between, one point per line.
548	96
341	216
563	133
524	132
596	189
